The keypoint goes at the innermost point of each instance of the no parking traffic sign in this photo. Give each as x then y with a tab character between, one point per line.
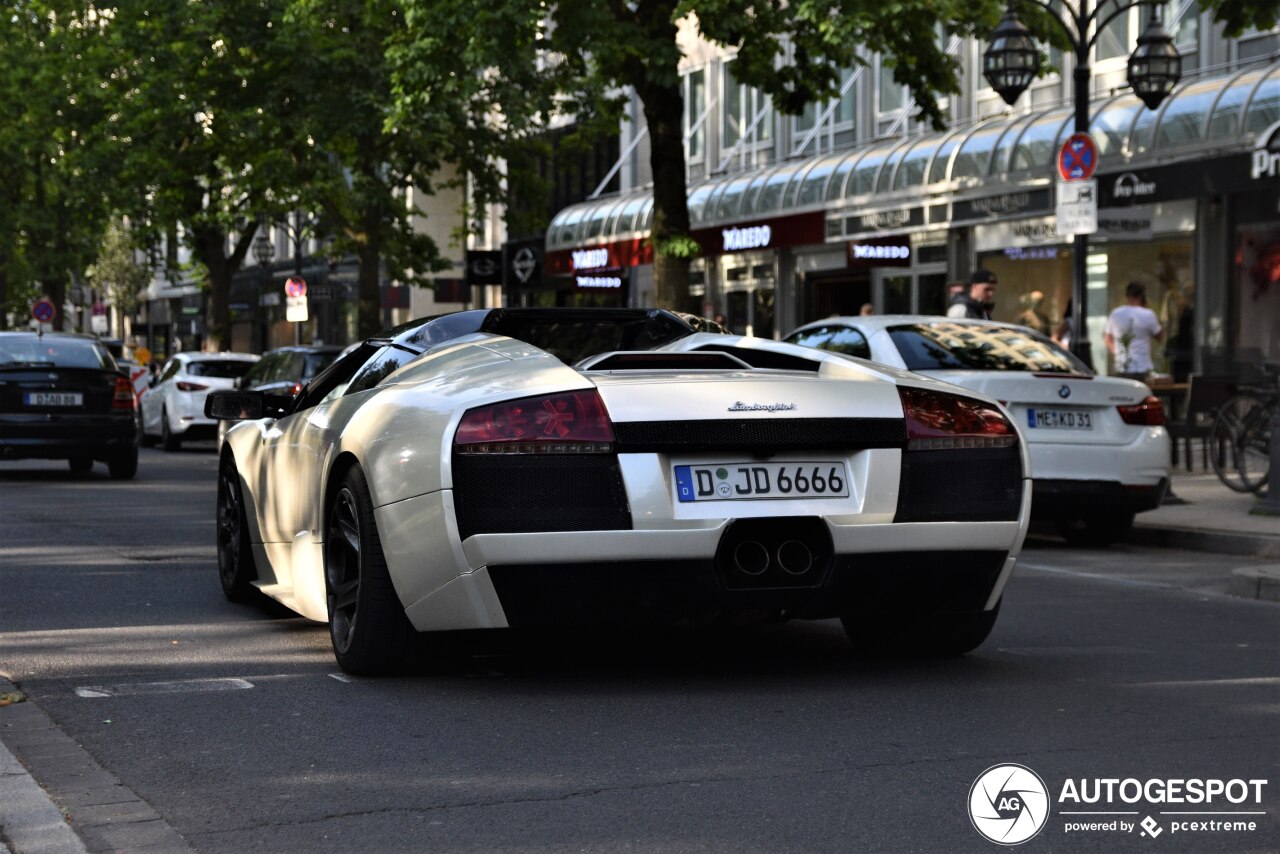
1079	158
43	310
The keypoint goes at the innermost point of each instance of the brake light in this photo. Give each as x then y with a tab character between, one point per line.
186	386
937	421
295	388
123	398
570	423
1148	413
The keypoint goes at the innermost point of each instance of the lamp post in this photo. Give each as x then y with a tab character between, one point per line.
1012	61
263	253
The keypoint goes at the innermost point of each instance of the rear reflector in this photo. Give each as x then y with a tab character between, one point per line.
1148	413
186	386
570	423
123	398
937	421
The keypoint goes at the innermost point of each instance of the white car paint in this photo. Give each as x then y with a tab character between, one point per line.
184	410
401	433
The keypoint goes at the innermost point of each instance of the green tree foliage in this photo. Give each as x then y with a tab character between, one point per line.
51	205
115	273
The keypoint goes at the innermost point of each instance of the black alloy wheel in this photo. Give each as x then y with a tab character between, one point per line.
123	465
80	464
236	568
367	623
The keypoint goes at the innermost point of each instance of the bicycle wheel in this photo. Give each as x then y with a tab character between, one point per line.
1254	459
1225	440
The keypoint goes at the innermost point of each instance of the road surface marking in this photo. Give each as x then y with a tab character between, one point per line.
184	686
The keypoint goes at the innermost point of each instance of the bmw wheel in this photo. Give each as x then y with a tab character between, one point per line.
367	624
236	568
170	440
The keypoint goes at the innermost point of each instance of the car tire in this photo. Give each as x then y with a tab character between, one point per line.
371	634
236	568
168	439
1095	531
80	464
935	635
123	465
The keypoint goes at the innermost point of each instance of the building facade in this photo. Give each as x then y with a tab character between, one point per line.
800	217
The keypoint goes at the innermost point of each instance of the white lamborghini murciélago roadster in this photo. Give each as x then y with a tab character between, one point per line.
552	467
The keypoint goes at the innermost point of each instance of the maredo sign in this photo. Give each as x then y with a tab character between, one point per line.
797	230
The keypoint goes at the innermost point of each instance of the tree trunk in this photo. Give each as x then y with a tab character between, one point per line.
208	244
664	112
369	299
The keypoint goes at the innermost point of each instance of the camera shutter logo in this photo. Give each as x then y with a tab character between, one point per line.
1008	804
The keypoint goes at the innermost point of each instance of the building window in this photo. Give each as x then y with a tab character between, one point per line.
747	112
1116	39
840	117
695	105
893	95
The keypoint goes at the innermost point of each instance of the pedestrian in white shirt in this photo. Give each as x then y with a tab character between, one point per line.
1131	330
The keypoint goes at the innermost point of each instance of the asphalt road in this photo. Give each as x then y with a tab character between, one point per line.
1124	663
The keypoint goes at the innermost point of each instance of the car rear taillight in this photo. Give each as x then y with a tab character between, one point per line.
937	421
1148	413
186	386
295	388
123	398
570	423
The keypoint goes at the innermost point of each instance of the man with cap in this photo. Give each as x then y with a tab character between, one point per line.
980	300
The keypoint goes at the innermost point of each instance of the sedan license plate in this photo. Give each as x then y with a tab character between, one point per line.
747	481
53	398
1060	419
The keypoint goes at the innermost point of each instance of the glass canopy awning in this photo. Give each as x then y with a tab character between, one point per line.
1222	112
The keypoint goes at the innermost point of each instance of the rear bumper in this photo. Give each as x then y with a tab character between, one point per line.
62	437
1055	499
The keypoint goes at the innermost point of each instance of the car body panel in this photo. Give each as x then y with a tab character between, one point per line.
1129	456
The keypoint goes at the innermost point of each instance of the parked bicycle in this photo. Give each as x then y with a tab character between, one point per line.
1240	442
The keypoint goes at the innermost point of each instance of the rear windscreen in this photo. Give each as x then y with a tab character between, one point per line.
227	369
944	346
317	362
32	352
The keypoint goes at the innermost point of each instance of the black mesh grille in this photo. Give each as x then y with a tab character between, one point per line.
758	434
971	485
514	494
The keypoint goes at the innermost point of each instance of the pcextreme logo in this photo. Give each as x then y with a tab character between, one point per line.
1008	804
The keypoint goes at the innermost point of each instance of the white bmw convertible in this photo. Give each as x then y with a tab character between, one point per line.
553	467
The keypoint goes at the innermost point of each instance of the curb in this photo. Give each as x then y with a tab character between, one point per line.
1196	540
95	810
29	820
1261	582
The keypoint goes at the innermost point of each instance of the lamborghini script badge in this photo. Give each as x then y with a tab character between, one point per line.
739	406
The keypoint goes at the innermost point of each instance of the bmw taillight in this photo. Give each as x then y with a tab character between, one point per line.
123	398
186	386
1148	413
938	421
570	423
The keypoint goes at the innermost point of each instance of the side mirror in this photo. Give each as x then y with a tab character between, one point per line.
234	405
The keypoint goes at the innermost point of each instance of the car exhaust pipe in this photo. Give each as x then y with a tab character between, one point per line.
795	557
750	557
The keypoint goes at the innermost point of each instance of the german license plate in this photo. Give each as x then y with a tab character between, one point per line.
1060	419
53	398
748	481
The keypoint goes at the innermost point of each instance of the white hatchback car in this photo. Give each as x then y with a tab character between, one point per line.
174	408
1099	449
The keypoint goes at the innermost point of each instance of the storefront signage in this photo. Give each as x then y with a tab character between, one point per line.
1135	223
598	281
1003	205
884	220
1266	157
1130	186
484	267
880	252
590	259
1020	233
738	239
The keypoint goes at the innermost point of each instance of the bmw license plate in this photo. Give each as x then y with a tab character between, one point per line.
1060	419
53	398
747	481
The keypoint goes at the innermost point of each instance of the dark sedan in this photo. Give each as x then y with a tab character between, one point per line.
64	397
284	370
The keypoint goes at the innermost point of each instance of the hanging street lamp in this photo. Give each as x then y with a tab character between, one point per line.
1012	60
